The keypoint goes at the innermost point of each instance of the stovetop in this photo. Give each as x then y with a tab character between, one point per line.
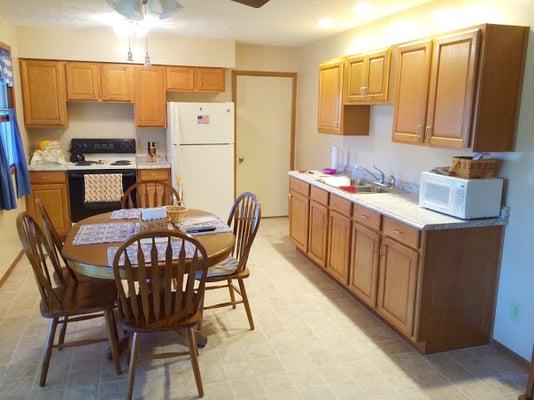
102	154
105	161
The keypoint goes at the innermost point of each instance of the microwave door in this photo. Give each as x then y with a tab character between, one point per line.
438	196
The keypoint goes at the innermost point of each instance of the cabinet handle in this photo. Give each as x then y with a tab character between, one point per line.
419	130
364	216
361	91
398	232
428	130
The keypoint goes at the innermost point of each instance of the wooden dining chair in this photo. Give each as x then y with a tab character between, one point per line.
244	219
144	194
67	299
148	301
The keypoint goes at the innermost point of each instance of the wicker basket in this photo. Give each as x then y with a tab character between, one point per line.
176	213
466	167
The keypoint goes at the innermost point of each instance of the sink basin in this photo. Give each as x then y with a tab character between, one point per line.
359	189
355	186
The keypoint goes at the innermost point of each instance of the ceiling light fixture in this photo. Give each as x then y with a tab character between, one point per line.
362	7
325	23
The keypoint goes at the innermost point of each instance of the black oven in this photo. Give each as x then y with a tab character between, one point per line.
79	209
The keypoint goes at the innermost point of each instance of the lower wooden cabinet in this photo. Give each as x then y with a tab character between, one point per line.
397	285
363	276
298	219
318	233
339	246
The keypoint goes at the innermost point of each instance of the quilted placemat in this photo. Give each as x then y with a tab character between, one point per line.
115	232
203	222
146	245
127	213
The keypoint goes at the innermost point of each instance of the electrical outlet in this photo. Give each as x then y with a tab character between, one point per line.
515	311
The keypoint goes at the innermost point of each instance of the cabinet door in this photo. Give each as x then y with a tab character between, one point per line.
298	220
210	79
377	77
356	80
55	199
412	91
339	246
363	276
398	285
330	86
180	78
318	236
83	81
117	82
43	93
452	90
149	97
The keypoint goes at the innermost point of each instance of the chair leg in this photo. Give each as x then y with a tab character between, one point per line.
113	339
134	348
48	350
191	340
232	294
62	334
246	303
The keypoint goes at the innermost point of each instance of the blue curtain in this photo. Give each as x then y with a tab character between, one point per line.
6	68
8	200
23	178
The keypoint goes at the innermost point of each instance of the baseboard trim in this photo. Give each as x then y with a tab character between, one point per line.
523	361
10	269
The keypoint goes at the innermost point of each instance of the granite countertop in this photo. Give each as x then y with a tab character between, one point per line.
48	167
142	163
401	207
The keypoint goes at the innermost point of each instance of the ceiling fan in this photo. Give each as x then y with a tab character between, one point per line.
133	9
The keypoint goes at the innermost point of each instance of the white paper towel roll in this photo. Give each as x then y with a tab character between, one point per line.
334	157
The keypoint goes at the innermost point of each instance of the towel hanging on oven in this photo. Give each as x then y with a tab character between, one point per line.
103	188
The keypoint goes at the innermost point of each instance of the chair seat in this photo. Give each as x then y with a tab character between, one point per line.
89	296
245	273
68	278
225	267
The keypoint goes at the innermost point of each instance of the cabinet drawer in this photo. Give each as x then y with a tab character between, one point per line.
366	217
154	174
319	195
340	205
401	232
37	178
299	186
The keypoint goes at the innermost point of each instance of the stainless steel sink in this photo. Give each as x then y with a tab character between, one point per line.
353	186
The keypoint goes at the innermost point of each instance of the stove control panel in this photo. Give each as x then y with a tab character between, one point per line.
102	146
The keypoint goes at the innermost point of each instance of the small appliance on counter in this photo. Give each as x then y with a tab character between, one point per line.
459	197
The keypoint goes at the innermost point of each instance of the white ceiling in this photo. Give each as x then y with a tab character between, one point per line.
279	22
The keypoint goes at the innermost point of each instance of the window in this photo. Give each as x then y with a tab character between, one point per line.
6	133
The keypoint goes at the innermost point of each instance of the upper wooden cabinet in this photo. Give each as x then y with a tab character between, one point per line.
470	94
117	82
83	81
367	78
43	93
195	79
149	96
333	116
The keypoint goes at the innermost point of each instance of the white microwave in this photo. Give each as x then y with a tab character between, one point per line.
461	198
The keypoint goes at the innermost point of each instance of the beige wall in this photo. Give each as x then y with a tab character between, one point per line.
266	58
407	161
9	242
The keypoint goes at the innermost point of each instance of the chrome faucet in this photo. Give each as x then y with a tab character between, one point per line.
379	177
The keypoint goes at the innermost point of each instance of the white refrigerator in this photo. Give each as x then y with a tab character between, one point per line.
200	150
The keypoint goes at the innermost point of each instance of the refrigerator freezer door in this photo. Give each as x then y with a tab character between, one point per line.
202	123
207	173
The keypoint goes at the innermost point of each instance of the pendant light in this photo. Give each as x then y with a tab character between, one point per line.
130	54
147	56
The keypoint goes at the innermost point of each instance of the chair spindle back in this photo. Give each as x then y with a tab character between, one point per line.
144	194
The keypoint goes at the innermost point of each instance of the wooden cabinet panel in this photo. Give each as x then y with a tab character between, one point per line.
401	232
452	90
330	92
180	78
377	74
319	195
117	82
160	174
149	97
298	219
398	285
363	273
339	246
356	79
318	233
341	205
210	79
366	217
299	186
83	81
37	178
55	199
412	91
43	93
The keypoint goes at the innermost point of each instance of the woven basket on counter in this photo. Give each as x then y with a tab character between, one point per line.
466	167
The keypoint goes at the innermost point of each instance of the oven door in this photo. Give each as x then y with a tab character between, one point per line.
79	209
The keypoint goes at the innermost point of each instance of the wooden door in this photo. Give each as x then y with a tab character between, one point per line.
55	199
452	89
83	81
298	219
180	78
330	87
355	79
117	82
149	97
364	263
318	233
43	93
377	77
414	61
210	79
398	285
339	246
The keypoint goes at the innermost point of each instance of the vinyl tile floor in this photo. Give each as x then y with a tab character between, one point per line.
312	341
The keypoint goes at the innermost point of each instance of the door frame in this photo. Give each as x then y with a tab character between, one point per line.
294	77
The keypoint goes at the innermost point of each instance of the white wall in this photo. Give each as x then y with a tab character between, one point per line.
266	58
407	161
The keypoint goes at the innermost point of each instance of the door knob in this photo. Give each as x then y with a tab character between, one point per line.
241	159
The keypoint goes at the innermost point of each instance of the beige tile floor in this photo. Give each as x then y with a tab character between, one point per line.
312	341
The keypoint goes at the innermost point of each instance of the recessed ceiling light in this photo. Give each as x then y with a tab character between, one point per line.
325	23
362	7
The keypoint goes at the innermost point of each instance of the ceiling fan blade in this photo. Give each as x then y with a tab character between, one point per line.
252	3
131	9
163	8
